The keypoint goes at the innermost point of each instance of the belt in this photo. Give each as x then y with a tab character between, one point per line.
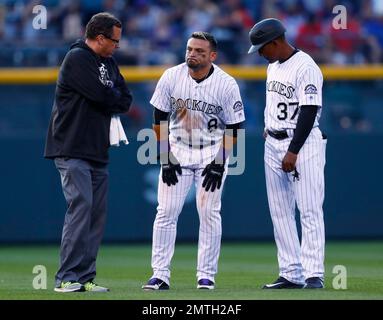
201	146
198	146
279	135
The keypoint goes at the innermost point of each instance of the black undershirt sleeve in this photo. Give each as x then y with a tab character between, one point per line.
305	123
159	116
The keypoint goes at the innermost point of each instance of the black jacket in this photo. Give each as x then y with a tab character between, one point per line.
89	90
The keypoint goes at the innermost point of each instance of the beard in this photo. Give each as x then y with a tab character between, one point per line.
194	65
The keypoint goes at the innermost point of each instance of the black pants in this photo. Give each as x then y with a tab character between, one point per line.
85	187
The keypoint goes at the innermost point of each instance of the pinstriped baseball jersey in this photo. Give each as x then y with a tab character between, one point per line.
198	112
290	85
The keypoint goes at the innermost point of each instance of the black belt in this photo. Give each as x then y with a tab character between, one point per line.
279	135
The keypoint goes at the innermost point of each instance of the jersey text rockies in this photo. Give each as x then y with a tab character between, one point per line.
196	105
280	88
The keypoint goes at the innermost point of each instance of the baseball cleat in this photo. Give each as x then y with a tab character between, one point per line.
282	283
314	283
205	284
155	284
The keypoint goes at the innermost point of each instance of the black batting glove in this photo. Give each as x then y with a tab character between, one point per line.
213	176
169	169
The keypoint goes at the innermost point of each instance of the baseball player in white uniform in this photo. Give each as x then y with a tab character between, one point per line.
195	102
294	156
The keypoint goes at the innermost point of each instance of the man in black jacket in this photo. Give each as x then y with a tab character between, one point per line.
90	89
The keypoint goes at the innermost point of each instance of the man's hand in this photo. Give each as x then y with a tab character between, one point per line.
169	169
289	161
213	176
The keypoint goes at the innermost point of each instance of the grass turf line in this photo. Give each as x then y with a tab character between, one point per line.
243	269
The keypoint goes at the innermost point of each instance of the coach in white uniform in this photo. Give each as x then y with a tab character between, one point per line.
294	156
195	102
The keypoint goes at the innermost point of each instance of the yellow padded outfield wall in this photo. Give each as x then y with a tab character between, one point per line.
141	74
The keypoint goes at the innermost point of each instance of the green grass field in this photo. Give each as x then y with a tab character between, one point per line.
243	269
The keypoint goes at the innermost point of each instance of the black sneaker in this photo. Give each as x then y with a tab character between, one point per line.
282	283
156	284
205	284
314	283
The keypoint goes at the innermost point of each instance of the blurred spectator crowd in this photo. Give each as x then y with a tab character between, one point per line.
155	31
